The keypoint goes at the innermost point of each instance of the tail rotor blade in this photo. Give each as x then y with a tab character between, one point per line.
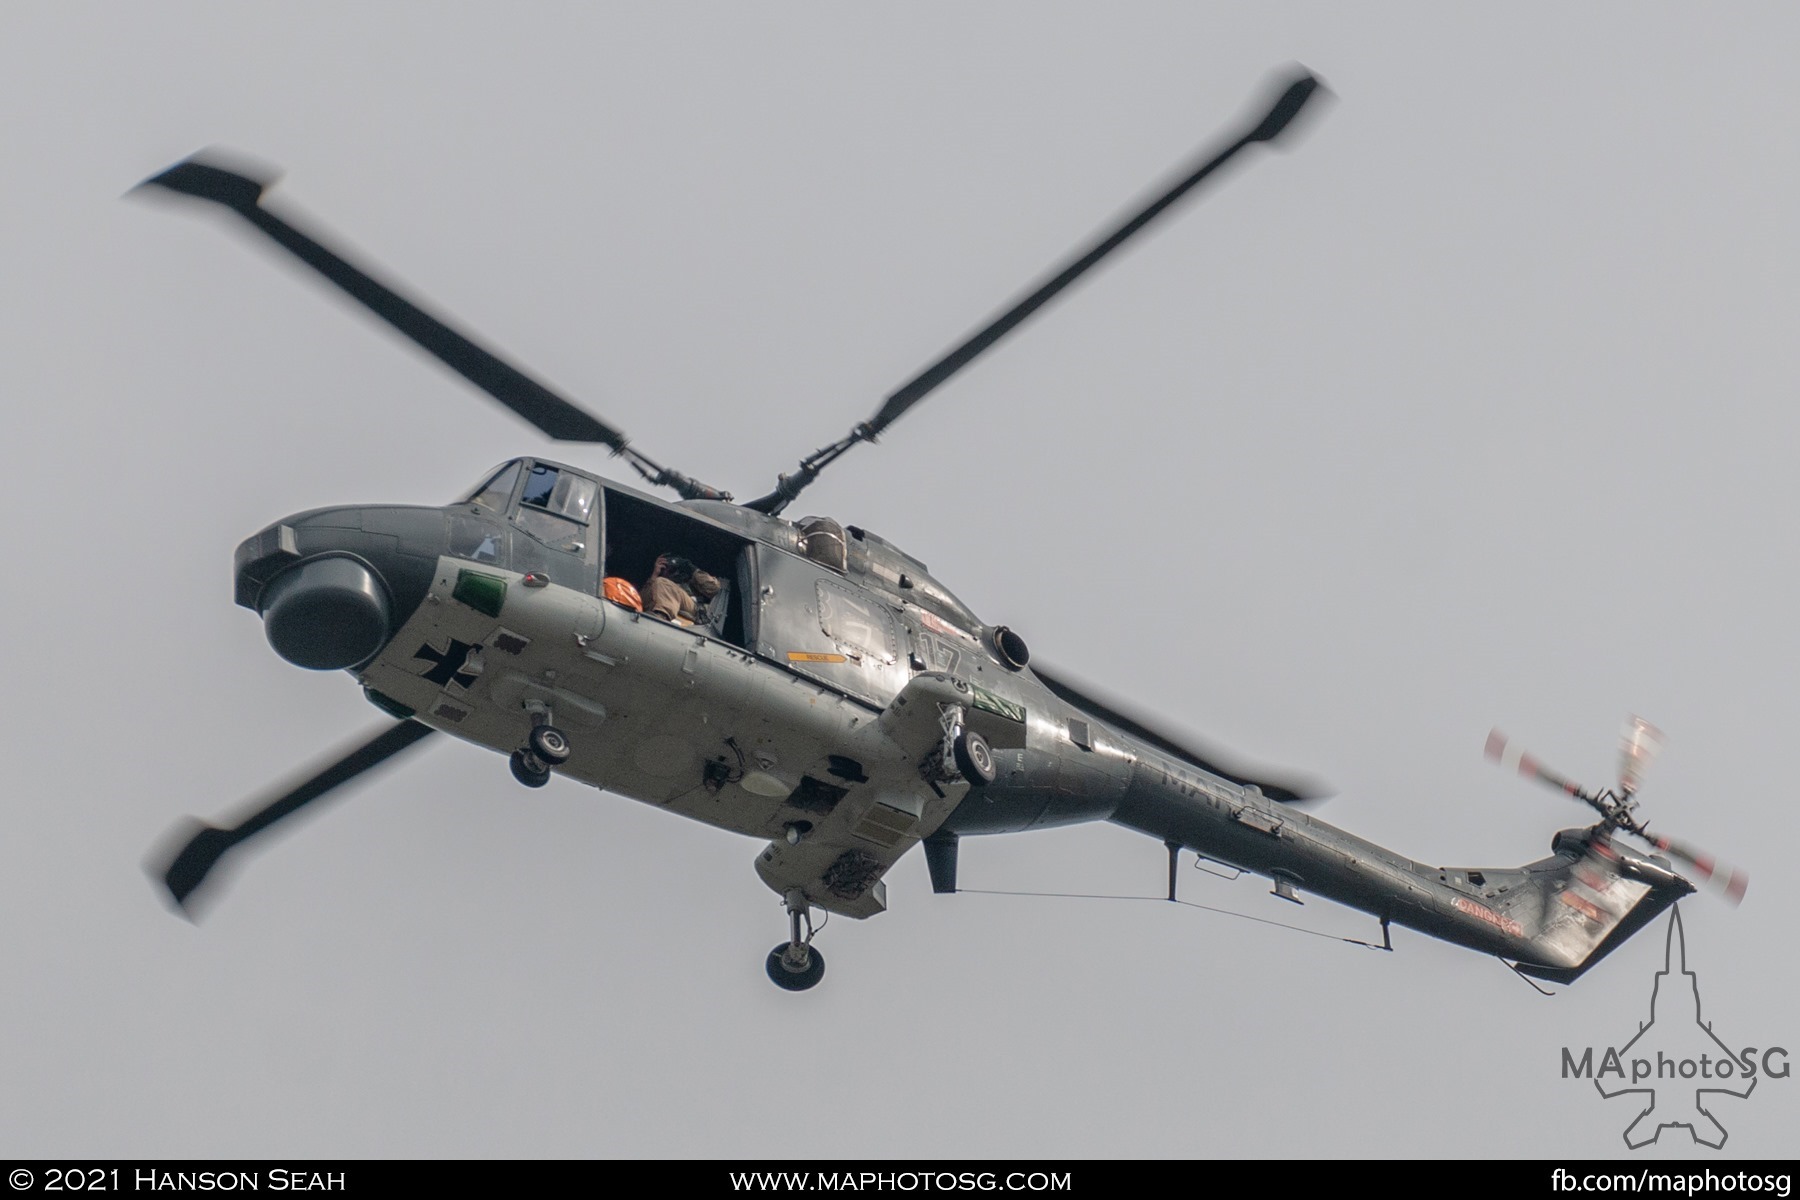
1512	757
1638	748
205	845
1729	881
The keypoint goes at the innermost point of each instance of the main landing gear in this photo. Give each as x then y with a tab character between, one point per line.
794	964
974	760
962	753
545	747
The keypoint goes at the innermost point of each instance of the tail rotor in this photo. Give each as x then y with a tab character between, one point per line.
1638	748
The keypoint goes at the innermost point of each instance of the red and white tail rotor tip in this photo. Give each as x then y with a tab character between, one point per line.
1508	755
1730	882
1639	745
1512	758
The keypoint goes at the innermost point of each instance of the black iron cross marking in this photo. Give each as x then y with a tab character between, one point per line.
449	663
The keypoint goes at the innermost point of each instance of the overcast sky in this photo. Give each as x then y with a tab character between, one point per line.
1474	406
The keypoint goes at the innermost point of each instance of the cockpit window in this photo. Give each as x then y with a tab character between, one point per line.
555	506
540	485
561	492
498	490
553	531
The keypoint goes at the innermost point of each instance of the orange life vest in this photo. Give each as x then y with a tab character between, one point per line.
620	591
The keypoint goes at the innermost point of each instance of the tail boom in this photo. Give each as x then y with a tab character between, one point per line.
1554	918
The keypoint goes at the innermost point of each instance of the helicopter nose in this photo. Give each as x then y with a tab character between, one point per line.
333	585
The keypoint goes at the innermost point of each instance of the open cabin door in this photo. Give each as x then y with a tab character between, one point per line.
639	530
818	623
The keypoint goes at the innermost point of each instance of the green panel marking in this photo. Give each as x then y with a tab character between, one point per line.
999	705
480	591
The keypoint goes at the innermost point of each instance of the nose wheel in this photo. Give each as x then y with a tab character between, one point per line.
796	965
545	747
795	978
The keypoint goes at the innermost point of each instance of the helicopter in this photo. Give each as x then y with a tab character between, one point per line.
814	687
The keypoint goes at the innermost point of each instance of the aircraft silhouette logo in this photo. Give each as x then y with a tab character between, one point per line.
1678	1050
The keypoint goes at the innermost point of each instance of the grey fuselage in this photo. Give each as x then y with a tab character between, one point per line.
778	716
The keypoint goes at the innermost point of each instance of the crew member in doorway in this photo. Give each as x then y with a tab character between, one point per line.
678	590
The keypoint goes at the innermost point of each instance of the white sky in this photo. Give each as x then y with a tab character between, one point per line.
1473	408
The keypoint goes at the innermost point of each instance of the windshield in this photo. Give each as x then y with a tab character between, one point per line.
553	504
498	489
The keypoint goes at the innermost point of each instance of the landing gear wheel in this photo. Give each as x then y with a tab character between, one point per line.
550	744
795	980
973	758
528	770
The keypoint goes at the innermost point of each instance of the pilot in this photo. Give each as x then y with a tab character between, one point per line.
678	590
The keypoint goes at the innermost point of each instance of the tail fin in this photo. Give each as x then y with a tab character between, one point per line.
1588	899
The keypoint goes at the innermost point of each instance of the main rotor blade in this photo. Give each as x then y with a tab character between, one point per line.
1291	789
554	415
188	869
1269	127
1284	110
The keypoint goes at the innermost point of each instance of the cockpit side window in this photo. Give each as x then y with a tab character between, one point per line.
561	492
498	490
540	485
573	497
555	506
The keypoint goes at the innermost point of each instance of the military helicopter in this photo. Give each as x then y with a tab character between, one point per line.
823	693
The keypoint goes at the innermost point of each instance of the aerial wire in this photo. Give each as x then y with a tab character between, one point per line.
1186	903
